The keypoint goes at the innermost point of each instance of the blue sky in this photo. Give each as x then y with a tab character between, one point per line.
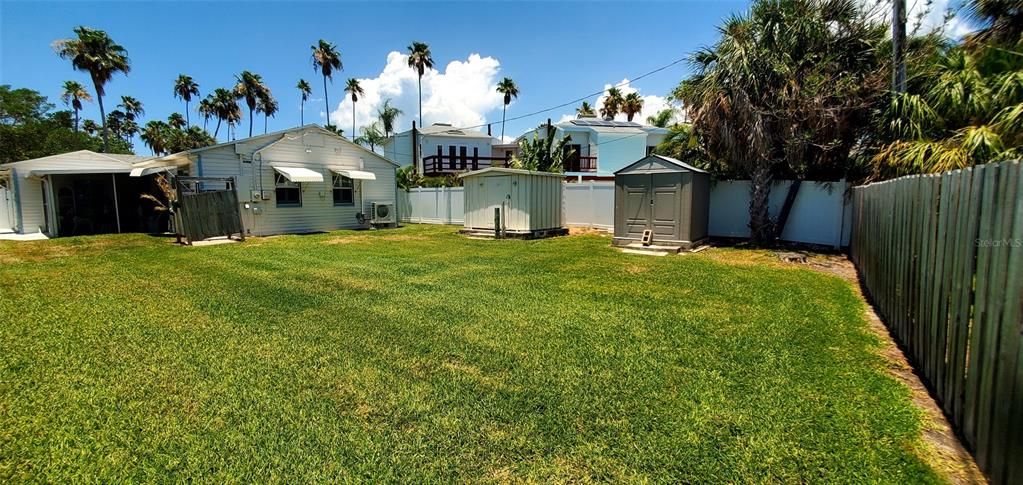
554	51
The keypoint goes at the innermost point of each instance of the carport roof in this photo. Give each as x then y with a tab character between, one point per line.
77	162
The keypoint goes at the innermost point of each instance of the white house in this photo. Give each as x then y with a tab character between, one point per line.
75	193
445	149
601	147
305	179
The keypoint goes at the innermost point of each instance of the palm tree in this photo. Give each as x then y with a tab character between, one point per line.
631	105
154	135
73	95
1001	21
355	90
420	59
250	87
326	59
662	119
185	88
585	111
90	127
129	128
388	116
132	108
612	103
206	110
115	122
225	108
508	88
93	51
306	91
371	136
176	121
267	106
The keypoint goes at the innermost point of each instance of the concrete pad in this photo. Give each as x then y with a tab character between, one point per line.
10	236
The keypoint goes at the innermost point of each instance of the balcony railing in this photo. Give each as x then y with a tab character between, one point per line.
440	165
581	164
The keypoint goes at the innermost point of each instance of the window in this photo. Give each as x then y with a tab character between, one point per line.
344	190
288	193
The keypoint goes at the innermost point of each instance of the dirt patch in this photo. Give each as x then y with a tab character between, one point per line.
945	453
580	230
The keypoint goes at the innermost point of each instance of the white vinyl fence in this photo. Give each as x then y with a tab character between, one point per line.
821	213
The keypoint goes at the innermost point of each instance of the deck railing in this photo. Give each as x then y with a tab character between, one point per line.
440	165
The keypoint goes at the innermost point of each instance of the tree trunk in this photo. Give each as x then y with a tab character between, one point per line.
250	122
302	114
218	127
353	119
326	103
76	120
188	122
102	117
760	225
420	101
266	121
504	111
786	208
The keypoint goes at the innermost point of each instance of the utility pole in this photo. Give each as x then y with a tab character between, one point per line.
899	46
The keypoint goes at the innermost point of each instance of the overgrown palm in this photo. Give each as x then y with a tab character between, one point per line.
184	89
176	121
547	154
353	89
132	108
73	95
250	87
420	59
225	108
788	87
612	103
508	88
268	106
93	51
662	119
154	135
326	60
305	91
205	109
585	110
388	117
631	105
371	136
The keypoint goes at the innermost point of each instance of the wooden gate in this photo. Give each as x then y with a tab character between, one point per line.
208	207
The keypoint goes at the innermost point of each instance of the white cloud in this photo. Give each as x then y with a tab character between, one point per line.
923	16
652	104
462	94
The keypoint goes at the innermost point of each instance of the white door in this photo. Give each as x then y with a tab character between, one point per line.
6	206
496	195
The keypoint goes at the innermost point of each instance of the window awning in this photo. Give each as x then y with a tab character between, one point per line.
354	174
299	174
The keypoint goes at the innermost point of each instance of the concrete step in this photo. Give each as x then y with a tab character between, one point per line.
645	252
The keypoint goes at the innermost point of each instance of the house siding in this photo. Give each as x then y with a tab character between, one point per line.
317	212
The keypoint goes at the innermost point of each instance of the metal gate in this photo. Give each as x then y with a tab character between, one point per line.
208	207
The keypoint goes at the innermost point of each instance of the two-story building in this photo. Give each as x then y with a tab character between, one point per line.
600	147
445	150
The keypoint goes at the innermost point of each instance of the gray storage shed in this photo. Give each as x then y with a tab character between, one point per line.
666	196
529	202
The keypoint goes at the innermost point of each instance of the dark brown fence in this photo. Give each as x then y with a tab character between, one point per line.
942	259
208	207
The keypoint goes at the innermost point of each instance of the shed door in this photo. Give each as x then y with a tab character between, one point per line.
496	194
664	204
636	204
6	205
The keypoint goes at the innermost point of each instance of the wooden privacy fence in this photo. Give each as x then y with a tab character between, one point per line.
207	213
942	259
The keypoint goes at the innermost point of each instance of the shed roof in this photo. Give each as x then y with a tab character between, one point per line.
77	162
510	170
666	162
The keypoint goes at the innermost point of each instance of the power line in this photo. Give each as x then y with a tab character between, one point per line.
583	98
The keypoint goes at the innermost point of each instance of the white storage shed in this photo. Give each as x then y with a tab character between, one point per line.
522	203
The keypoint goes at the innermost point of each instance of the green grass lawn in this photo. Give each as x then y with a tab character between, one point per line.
417	355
